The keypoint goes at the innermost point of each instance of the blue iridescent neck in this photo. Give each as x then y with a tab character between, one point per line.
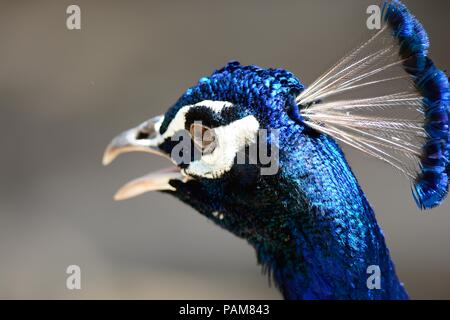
332	237
311	224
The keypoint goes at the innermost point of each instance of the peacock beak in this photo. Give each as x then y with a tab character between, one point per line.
143	138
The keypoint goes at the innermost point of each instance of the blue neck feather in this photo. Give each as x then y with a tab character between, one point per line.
334	235
330	234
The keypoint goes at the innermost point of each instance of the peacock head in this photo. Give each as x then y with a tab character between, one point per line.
224	137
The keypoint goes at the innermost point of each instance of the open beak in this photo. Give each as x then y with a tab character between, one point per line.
143	138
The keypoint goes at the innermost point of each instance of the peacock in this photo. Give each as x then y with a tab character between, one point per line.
310	223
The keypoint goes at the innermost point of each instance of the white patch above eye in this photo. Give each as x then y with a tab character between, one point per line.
230	139
215	106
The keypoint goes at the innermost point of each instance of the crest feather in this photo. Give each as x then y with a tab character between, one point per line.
388	99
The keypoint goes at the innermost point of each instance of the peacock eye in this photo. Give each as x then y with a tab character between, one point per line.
203	137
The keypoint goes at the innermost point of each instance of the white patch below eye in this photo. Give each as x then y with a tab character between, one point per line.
229	140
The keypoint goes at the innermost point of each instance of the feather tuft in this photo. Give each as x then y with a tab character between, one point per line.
398	104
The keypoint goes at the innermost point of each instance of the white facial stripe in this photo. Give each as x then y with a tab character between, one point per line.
175	125
230	139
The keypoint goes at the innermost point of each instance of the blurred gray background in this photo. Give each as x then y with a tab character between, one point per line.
64	94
